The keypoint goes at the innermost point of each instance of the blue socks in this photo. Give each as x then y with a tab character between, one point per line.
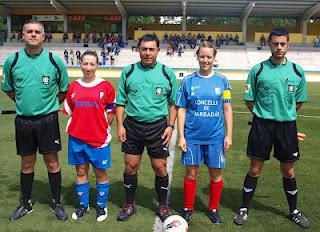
83	193
102	194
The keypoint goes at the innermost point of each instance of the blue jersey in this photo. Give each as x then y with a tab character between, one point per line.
203	97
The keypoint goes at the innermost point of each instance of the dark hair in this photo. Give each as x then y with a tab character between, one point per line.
90	53
279	31
33	21
206	44
148	37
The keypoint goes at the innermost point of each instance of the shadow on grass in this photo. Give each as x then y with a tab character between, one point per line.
231	198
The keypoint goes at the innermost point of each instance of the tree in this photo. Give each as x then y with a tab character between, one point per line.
142	19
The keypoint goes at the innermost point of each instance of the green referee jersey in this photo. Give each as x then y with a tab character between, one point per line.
146	93
275	90
35	81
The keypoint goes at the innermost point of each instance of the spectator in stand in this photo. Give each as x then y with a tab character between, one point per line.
94	37
74	37
210	39
78	56
71	54
236	39
78	37
134	46
169	51
66	56
13	36
112	57
263	41
316	42
218	41
49	36
65	37
104	56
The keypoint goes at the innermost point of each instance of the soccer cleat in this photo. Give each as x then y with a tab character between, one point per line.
79	212
186	214
163	212
59	211
297	217
127	211
22	210
102	214
214	217
241	217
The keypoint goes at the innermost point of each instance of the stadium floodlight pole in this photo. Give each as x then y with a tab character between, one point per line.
244	17
304	19
184	16
60	8
124	16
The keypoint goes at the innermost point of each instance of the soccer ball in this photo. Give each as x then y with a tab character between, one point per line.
175	223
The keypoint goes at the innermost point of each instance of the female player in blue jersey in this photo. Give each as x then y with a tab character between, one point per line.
205	128
90	104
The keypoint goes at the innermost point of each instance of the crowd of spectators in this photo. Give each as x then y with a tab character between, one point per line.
176	40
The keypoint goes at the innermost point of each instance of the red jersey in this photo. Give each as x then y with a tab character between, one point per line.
88	105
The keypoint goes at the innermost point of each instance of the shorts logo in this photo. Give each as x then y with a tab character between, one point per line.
104	162
159	91
295	154
45	80
247	89
291	88
217	90
57	141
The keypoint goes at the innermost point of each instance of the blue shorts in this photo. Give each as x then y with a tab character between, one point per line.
82	153
212	155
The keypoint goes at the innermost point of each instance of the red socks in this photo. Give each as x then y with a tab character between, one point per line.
215	194
190	187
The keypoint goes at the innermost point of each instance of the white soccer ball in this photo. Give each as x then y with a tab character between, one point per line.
175	223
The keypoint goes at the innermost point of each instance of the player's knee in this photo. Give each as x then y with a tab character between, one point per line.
81	172
254	171
27	167
53	167
191	176
131	168
160	170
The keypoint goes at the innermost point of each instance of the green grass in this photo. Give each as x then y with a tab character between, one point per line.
269	206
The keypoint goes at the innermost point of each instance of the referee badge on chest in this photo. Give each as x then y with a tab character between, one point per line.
291	88
45	80
159	91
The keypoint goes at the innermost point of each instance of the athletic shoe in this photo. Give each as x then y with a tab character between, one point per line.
297	217
79	212
102	214
22	210
214	217
186	214
241	217
163	212
59	211
127	211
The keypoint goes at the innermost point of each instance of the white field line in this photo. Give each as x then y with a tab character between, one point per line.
157	226
299	115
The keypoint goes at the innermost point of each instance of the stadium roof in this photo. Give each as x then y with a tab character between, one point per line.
304	9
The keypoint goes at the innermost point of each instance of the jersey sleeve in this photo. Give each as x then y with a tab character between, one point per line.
181	98
226	95
7	82
173	79
68	106
110	98
250	87
301	93
64	79
121	98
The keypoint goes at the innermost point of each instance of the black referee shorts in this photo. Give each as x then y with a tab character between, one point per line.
265	134
145	134
37	132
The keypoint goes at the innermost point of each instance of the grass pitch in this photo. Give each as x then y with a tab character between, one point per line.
269	206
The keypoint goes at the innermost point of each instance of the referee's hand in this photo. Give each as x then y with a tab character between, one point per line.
122	134
167	136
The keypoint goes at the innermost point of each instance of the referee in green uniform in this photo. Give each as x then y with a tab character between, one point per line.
147	91
37	81
275	90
